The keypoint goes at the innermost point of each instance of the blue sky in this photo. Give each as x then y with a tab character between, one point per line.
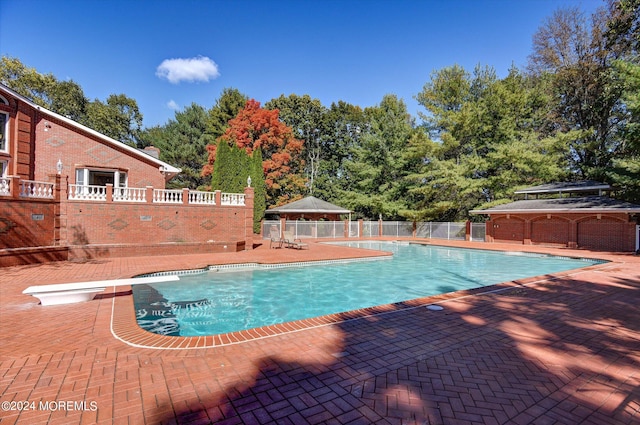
169	54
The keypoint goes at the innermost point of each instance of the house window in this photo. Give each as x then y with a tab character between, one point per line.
4	165
89	177
4	131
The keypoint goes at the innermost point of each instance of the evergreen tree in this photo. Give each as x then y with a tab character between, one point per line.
232	168
259	189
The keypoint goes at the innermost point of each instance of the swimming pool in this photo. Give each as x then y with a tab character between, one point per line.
215	302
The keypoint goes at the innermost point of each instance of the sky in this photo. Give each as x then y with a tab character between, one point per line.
169	54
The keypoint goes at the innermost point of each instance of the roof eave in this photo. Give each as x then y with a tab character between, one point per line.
168	168
557	210
308	211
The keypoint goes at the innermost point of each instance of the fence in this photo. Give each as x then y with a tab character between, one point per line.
109	193
373	229
16	187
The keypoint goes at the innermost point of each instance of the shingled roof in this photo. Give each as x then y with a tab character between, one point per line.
564	187
310	204
594	204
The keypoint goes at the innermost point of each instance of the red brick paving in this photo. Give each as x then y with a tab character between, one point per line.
561	350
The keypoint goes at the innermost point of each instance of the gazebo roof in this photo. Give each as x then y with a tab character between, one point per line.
309	205
594	204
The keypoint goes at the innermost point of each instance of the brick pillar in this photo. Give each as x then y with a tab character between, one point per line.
185	196
527	232
218	197
467	231
149	194
55	179
573	235
248	218
488	230
15	187
109	193
360	227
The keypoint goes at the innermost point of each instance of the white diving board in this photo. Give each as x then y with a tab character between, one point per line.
67	293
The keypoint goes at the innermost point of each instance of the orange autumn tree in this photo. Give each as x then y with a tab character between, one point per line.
258	128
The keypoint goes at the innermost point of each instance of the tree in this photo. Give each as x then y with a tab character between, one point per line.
259	190
258	128
305	116
183	143
233	166
623	33
63	97
380	164
623	27
345	124
485	137
585	91
230	102
118	118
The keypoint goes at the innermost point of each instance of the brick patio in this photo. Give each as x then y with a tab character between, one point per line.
562	349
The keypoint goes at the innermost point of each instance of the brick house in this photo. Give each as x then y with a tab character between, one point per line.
69	192
575	215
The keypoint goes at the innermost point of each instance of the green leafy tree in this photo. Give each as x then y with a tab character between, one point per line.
259	189
230	102
586	95
305	116
625	170
183	143
258	128
233	166
487	138
118	118
380	163
63	97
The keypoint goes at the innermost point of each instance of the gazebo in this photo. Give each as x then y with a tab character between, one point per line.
310	208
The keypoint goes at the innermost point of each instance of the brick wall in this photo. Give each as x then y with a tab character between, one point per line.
124	223
600	232
33	230
27	223
56	140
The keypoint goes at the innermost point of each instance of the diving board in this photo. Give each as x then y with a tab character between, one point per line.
67	293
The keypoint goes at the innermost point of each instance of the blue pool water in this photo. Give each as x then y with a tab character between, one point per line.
217	302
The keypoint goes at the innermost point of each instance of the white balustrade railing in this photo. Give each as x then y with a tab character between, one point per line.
232	198
129	194
167	196
5	186
36	189
78	192
202	198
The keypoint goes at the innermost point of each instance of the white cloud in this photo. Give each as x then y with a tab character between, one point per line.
198	69
173	105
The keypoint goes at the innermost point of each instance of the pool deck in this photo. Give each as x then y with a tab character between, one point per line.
558	349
